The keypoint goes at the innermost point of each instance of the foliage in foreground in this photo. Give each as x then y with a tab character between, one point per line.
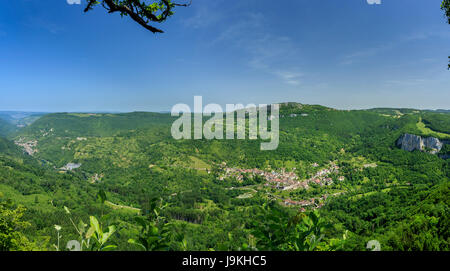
11	226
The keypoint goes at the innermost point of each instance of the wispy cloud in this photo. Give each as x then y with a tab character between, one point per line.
206	14
43	24
270	53
406	82
364	53
368	52
289	77
432	75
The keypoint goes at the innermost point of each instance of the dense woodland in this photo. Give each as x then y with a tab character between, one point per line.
136	188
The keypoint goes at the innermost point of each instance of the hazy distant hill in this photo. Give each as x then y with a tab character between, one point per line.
19	118
6	128
94	124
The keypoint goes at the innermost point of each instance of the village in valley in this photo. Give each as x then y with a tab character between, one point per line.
287	180
29	147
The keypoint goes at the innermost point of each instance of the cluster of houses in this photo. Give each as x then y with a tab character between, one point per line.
280	179
96	178
46	133
321	178
285	180
288	180
28	146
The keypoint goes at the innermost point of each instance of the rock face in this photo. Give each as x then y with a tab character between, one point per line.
410	142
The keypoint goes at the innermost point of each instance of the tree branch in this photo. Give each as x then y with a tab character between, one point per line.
139	11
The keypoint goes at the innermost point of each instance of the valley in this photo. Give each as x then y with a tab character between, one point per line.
341	165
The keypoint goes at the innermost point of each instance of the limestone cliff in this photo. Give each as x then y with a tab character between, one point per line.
410	142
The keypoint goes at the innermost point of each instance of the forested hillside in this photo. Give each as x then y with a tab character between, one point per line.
336	174
6	128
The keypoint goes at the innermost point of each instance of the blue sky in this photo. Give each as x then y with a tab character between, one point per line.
339	53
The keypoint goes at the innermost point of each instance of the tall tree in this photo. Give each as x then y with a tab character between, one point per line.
141	11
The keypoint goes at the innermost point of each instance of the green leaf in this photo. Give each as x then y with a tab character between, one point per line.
106	235
95	225
67	210
90	232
